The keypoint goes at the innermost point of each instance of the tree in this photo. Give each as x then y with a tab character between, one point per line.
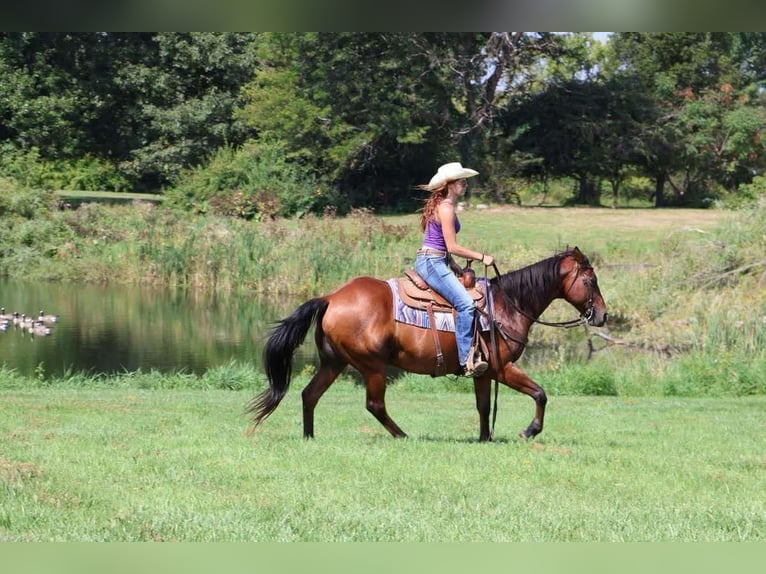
46	98
724	138
177	98
347	106
374	113
154	103
580	129
685	74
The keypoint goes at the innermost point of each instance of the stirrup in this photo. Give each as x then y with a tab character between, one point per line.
475	366
476	370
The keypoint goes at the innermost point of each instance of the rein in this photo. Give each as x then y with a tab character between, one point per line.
493	343
581	320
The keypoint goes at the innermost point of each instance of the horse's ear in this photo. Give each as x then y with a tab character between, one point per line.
580	258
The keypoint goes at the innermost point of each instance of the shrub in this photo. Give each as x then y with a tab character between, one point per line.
22	202
582	379
83	174
233	376
722	374
252	181
91	174
747	194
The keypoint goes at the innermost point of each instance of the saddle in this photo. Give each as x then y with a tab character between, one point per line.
415	292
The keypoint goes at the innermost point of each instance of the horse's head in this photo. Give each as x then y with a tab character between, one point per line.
580	287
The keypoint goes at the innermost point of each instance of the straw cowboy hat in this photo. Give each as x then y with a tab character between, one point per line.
447	173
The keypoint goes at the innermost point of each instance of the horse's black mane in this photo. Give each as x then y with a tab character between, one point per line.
530	286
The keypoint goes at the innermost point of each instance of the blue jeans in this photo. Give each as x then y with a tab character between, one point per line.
436	272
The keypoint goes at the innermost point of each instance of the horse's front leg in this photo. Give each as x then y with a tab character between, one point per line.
518	380
482	387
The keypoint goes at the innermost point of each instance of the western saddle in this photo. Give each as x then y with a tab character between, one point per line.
416	293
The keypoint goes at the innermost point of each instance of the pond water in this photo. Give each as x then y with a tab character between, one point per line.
107	329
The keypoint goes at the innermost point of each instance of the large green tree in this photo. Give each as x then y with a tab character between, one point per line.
154	103
584	130
701	134
374	113
51	91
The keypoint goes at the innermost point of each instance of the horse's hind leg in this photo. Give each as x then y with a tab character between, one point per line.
325	376
376	401
518	380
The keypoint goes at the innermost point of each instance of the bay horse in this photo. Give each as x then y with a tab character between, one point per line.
355	326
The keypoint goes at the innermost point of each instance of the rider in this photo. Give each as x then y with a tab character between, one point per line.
440	225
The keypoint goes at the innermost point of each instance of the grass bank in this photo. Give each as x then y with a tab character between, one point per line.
684	288
144	243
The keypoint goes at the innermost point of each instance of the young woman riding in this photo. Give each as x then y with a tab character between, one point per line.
440	226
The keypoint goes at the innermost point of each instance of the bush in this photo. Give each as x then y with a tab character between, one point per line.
723	374
82	174
90	174
233	376
19	201
747	194
589	379
255	181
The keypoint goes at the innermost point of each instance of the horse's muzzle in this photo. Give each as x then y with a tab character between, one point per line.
595	318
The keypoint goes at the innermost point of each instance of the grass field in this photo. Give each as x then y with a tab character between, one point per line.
136	465
677	454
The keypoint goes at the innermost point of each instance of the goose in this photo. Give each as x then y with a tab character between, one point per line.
47	318
21	320
5	316
39	328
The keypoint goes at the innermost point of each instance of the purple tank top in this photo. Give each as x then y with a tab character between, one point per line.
433	238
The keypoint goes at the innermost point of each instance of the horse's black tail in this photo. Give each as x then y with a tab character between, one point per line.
286	337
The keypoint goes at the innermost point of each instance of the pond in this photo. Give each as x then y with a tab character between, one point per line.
107	329
111	329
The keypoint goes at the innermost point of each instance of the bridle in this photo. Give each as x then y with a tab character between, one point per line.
584	317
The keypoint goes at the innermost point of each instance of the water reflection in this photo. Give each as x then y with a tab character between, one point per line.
111	329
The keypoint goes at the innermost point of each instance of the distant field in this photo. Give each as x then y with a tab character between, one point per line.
634	232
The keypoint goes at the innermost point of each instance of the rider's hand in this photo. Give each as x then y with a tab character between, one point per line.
487	259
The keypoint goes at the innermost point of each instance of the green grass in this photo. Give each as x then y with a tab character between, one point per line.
656	449
94	464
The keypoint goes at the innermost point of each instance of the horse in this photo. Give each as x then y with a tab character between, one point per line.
355	326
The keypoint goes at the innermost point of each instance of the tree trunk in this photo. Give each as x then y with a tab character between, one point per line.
659	190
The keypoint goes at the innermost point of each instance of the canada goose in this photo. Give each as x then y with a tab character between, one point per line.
5	316
21	320
38	328
47	318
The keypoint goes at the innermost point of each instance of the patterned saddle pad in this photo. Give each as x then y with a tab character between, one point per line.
419	318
